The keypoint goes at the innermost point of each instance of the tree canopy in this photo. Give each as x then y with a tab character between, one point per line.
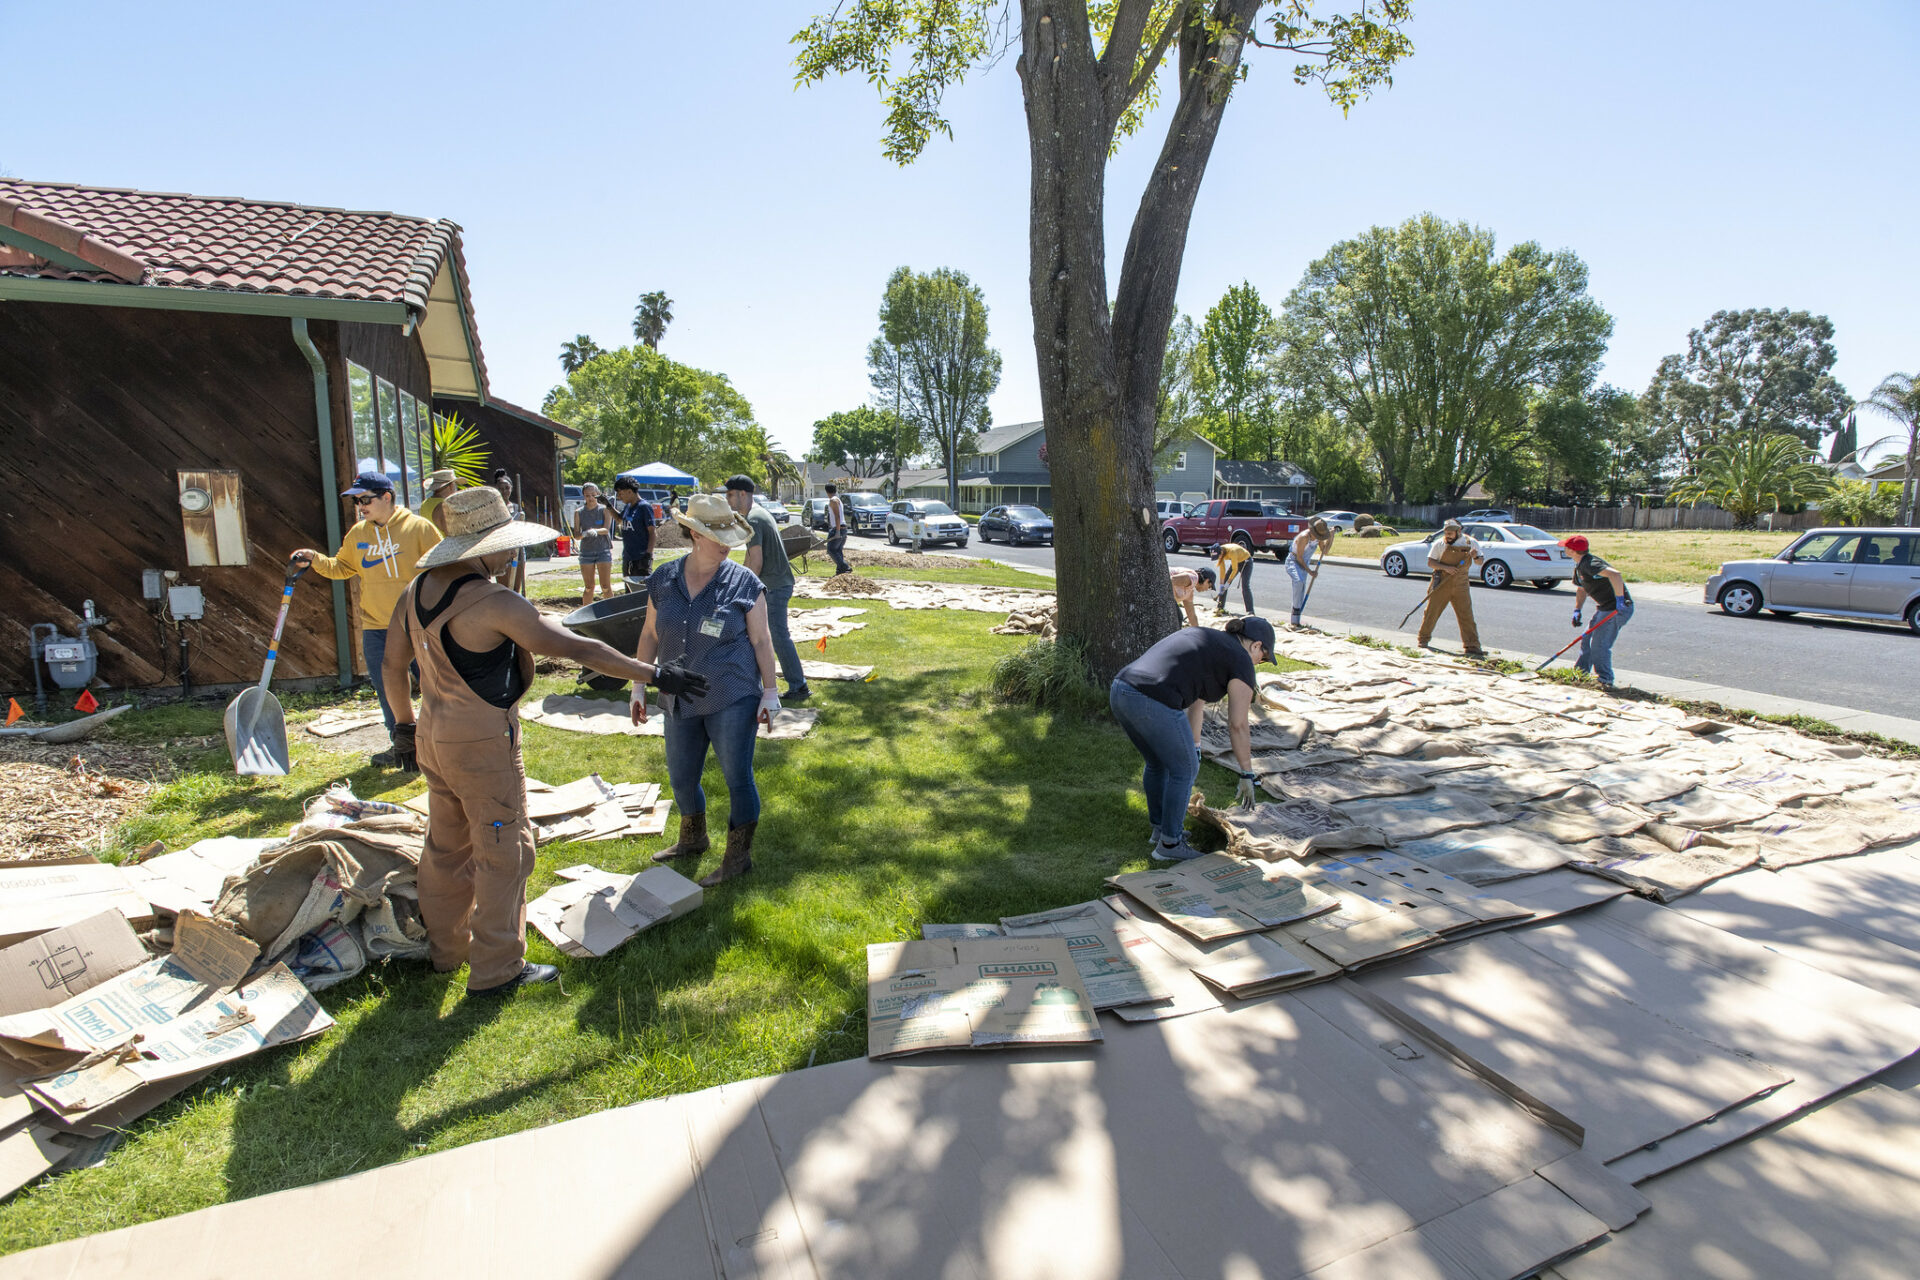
633	405
577	352
932	357
865	441
651	318
1234	374
1434	346
1089	76
1752	372
1747	473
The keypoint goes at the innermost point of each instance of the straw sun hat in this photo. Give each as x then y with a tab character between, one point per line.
478	525
709	515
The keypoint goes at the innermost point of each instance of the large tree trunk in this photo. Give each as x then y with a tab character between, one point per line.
1100	368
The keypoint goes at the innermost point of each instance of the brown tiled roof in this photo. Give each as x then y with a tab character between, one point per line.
166	240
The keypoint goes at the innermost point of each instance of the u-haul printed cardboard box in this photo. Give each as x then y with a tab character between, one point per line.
974	993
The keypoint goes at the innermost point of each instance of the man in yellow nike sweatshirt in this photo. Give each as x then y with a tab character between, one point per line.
381	550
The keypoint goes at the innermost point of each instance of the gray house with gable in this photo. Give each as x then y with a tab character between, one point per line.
1008	464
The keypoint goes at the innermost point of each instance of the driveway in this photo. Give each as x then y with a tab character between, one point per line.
1833	661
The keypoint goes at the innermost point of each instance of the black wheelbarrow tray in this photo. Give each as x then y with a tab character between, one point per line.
615	622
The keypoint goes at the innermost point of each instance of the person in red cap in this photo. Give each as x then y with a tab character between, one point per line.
1613	608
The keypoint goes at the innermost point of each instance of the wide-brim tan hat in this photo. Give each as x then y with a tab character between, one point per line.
710	516
478	525
437	478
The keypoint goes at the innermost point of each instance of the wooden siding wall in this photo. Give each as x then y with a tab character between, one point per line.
99	407
531	453
384	351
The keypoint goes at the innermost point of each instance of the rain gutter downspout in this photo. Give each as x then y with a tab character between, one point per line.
330	485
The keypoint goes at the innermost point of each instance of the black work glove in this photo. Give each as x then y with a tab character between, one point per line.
672	678
404	756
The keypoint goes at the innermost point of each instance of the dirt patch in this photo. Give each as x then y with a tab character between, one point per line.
848	584
57	801
882	558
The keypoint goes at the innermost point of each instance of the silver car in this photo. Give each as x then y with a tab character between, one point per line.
1843	573
1514	553
937	522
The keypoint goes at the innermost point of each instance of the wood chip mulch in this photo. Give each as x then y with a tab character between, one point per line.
62	801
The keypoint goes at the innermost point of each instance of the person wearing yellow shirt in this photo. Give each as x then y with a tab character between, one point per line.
1231	561
381	550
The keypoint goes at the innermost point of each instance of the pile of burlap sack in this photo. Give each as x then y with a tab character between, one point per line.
331	901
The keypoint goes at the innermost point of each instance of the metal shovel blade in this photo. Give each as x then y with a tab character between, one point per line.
257	734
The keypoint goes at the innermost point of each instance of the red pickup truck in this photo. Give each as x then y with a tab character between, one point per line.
1232	520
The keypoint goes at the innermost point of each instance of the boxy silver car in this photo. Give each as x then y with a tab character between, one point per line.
1843	573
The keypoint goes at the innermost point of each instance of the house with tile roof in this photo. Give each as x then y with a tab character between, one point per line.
186	384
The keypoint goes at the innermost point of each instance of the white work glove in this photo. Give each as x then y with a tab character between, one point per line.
1243	794
769	703
637	704
1576	617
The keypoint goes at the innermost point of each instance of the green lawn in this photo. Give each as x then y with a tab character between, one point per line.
917	799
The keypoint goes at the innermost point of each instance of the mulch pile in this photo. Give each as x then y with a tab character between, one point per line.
59	801
847	584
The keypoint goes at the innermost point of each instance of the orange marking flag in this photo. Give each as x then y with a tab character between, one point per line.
13	710
822	646
87	702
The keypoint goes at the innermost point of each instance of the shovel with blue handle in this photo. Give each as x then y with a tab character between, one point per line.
256	727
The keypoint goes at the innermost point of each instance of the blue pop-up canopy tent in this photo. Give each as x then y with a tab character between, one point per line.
659	473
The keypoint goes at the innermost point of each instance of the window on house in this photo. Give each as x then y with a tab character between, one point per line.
1180	460
366	425
412	427
392	452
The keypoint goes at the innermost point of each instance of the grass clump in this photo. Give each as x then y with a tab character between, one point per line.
1049	675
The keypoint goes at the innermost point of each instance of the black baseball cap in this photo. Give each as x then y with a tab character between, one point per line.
368	484
1254	627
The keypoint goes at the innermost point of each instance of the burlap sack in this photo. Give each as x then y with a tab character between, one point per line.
1652	870
1285	829
333	875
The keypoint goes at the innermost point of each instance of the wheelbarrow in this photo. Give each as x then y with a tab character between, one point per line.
256	727
615	622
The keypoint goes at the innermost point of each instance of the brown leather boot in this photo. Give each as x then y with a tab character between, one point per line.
739	858
692	841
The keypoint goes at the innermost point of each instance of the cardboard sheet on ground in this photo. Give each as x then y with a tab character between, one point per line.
975	993
951	595
333	723
1435	899
1219	896
1309	1133
192	878
1858	919
1829	1194
597	715
1654	870
1821	1030
1488	855
1333	783
55	966
183	1026
591	912
1106	950
1244	967
39	896
1286	828
1560	1036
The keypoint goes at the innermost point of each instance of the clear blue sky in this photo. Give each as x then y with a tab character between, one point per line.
1698	155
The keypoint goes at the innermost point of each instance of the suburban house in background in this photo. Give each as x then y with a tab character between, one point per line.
1005	466
1186	471
186	384
1264	481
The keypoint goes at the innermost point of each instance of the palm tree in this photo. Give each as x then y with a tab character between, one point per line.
578	352
1898	397
1750	472
651	318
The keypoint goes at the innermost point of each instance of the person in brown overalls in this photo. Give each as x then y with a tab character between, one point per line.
1450	558
475	641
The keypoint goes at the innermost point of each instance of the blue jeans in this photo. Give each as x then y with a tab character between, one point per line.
1302	583
1596	651
373	646
730	732
836	544
1164	738
783	650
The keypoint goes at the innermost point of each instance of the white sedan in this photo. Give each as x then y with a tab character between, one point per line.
1514	552
1340	521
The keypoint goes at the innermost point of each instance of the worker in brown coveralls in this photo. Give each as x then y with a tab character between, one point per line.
1450	558
475	641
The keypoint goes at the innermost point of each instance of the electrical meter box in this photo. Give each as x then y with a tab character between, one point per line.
186	604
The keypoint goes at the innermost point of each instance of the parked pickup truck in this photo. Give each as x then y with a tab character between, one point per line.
1228	520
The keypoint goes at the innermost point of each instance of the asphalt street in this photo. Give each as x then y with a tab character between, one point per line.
1865	666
